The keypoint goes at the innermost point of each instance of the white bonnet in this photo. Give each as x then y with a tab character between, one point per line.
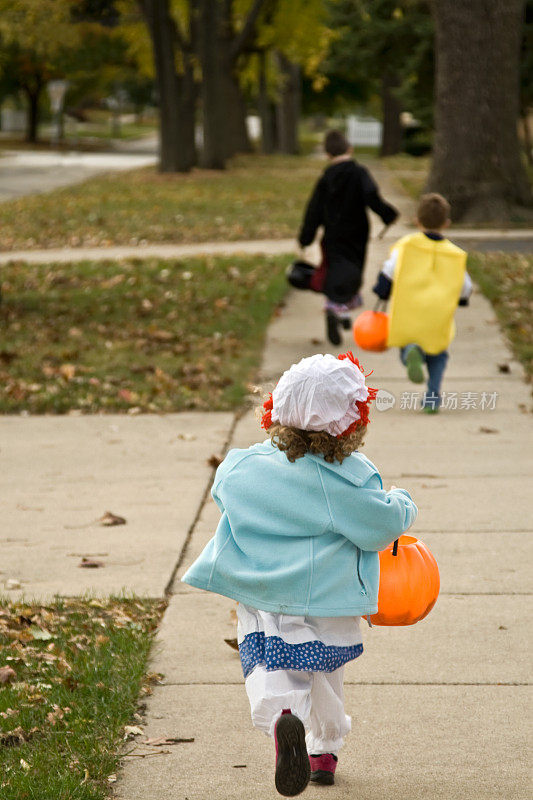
319	394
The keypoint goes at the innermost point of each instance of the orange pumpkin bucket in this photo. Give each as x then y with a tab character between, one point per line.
371	330
409	583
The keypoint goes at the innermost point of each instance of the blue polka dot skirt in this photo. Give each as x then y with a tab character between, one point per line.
280	641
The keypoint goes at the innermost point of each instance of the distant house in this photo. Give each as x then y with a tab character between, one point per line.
12	120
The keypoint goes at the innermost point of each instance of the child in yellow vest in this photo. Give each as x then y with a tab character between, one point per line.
426	278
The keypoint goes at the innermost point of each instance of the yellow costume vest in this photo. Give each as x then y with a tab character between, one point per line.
426	288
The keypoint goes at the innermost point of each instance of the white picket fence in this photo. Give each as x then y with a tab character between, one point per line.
363	131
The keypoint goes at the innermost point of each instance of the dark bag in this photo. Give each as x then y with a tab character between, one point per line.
299	274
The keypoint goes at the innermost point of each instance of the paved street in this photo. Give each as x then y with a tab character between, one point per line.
24	172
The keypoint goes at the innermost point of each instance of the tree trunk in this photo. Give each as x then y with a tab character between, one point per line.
476	162
266	109
288	107
32	124
231	96
391	142
236	139
175	111
528	139
188	97
213	108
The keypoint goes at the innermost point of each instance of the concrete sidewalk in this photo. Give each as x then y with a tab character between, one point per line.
438	708
513	240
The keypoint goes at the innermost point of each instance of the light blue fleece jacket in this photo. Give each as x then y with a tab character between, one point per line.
300	538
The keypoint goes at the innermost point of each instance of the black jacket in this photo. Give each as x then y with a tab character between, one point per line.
339	202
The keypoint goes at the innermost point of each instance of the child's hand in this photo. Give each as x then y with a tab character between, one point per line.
392	487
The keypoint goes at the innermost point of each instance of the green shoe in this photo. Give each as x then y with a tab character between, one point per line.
430	410
414	363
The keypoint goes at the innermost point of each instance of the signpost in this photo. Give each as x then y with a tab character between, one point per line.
56	91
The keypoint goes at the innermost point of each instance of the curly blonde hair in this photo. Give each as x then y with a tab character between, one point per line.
295	443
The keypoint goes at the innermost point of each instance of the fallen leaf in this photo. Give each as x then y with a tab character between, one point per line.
232	643
316	341
505	368
158	335
214	461
7	674
153	677
128	396
110	519
133	730
67	371
12	738
239	766
40	634
9	712
7	356
483	429
11	583
109	283
24	764
90	563
162	740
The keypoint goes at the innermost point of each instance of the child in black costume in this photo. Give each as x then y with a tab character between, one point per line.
338	203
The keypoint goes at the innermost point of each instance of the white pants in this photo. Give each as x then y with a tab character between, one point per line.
317	698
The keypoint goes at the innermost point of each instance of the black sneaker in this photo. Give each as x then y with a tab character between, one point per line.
332	325
346	323
292	762
323	768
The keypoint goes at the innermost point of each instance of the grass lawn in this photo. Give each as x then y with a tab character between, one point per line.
134	335
71	675
507	281
127	130
410	172
258	197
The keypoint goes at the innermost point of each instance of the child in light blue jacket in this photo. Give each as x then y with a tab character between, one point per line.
304	516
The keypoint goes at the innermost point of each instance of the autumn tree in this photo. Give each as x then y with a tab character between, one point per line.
197	47
477	160
34	35
383	47
292	41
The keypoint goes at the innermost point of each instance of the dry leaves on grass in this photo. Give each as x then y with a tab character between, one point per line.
17	736
7	675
